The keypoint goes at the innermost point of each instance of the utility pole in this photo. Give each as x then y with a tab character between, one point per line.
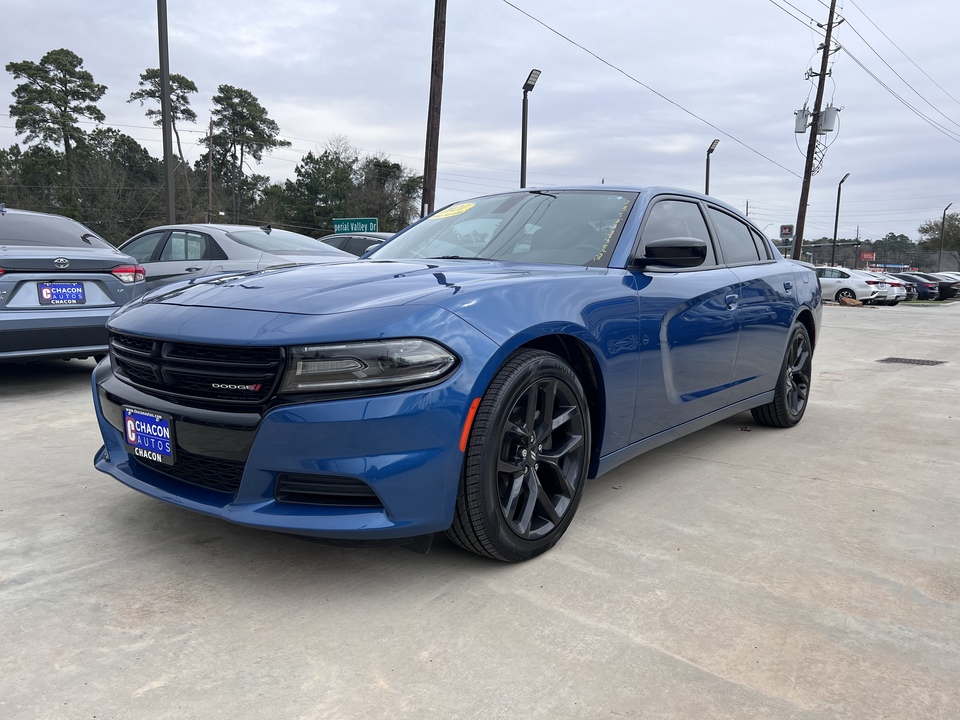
433	110
166	111
856	250
210	172
814	131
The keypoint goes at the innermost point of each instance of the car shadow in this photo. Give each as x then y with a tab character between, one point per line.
49	375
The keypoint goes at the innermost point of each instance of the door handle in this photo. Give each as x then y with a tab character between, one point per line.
731	301
193	269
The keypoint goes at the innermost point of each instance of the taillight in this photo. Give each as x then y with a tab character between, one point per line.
872	282
129	273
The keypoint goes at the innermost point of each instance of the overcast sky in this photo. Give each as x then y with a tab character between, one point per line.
630	92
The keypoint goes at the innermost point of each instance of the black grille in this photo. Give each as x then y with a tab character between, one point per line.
211	473
196	374
325	490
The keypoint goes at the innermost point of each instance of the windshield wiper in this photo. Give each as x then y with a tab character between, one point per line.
460	257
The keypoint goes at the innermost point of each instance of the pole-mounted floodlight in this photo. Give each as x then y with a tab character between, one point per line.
836	221
706	184
527	87
943	227
531	80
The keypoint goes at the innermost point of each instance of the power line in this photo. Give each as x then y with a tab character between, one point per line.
932	123
903	53
644	85
917	92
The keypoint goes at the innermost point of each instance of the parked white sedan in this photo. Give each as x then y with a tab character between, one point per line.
840	282
896	289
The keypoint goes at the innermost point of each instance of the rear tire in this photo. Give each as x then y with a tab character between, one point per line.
846	293
526	460
793	386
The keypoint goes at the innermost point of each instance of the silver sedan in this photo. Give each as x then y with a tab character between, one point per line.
181	252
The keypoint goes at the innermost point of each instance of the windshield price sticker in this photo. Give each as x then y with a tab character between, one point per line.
148	435
453	211
61	293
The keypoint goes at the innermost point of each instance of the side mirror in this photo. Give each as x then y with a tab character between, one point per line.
678	252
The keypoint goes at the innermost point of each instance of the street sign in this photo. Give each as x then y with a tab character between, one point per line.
349	225
786	231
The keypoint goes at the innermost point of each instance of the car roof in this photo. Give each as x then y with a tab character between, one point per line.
224	227
648	191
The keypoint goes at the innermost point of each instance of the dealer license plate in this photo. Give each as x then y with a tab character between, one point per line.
61	293
149	435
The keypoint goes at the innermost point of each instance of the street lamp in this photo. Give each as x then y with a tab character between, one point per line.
706	184
836	222
527	87
943	226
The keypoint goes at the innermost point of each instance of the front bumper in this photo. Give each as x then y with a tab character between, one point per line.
387	466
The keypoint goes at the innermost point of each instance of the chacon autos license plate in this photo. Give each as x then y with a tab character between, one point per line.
61	293
149	435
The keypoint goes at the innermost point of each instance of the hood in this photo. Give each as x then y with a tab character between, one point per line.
341	287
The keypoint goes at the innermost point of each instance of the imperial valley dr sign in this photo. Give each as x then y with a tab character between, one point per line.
349	225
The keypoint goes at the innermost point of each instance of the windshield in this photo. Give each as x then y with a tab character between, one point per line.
571	227
284	242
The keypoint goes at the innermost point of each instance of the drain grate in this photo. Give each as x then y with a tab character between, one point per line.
912	361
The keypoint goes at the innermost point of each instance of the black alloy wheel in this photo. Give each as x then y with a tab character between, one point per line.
793	386
526	460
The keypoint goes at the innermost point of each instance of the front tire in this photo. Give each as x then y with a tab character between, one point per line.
793	386
526	460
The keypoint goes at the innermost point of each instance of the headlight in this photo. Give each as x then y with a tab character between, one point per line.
380	363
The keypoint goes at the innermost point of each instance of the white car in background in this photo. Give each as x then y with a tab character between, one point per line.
840	282
896	288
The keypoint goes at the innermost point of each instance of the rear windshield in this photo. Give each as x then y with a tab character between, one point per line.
284	241
46	230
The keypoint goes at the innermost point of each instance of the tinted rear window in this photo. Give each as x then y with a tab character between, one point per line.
46	230
283	241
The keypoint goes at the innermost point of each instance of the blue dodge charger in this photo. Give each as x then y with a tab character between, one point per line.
465	377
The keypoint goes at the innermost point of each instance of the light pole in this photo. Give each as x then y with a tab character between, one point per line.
527	87
836	222
706	184
943	227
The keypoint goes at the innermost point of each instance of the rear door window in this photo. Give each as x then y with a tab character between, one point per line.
736	240
185	245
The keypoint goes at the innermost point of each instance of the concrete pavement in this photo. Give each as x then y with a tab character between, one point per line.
741	572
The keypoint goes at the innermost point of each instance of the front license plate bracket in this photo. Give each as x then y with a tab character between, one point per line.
148	435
